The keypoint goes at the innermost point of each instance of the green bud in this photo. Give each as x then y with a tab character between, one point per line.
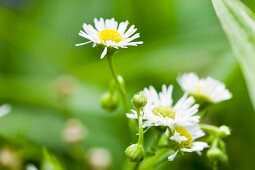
139	100
109	101
135	153
224	131
215	154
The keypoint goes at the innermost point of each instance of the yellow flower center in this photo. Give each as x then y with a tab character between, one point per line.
199	89
183	132
200	94
110	35
165	111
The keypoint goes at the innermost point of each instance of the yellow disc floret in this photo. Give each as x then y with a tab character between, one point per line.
110	35
183	132
165	111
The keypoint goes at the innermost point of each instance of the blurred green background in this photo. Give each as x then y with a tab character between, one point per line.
38	58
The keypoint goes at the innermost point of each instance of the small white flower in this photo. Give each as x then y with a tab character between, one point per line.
185	136
209	89
160	111
110	34
4	109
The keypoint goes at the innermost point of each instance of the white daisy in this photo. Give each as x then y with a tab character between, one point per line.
160	110
110	34
185	136
208	89
4	109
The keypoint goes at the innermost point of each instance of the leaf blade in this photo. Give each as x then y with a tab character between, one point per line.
238	23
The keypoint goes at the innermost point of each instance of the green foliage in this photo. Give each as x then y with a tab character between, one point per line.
238	22
37	46
50	163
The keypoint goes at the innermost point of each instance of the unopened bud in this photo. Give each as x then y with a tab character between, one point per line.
109	101
139	100
215	154
224	131
135	153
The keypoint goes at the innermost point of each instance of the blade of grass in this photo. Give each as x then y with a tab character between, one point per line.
239	25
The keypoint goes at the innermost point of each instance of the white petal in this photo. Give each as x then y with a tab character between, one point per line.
122	27
99	24
178	138
82	43
104	53
171	157
130	31
85	35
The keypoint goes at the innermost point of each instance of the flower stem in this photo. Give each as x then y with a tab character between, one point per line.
209	128
124	99
120	87
159	157
140	124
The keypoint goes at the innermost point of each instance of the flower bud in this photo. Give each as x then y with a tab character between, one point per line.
139	100
109	101
135	153
215	154
224	131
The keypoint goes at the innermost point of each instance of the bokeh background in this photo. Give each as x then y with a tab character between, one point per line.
48	80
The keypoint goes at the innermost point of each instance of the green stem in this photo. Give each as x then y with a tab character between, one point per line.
152	162
121	90
209	128
140	124
124	99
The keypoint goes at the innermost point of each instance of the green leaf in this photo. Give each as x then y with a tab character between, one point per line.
239	24
49	162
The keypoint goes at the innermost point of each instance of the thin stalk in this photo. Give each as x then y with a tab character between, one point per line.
124	99
140	124
152	162
121	90
209	128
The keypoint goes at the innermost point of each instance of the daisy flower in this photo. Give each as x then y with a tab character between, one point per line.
185	136
109	34
160	111
207	89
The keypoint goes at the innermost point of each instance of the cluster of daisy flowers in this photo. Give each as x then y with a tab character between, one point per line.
181	120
